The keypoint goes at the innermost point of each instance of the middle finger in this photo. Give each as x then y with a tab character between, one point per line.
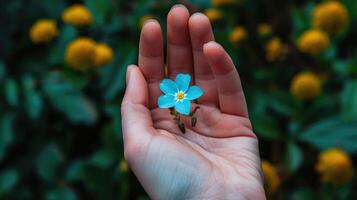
179	50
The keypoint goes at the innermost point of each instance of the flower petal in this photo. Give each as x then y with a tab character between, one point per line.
166	101
194	92
167	86
183	107
183	81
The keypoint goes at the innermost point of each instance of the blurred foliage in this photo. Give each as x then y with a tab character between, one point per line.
60	129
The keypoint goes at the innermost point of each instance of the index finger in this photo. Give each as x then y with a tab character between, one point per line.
151	59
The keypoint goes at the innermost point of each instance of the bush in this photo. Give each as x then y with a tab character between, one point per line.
62	78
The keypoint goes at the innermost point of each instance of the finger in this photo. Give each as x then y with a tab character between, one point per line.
136	118
230	92
201	33
178	42
151	58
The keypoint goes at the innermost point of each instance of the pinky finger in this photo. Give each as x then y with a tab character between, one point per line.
230	91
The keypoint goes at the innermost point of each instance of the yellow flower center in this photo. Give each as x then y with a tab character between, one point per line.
180	96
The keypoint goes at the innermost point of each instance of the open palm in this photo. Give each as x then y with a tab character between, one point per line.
216	159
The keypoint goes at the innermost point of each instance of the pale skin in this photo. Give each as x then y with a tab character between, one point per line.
218	159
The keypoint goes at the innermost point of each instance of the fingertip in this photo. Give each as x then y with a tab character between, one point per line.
199	17
200	30
178	14
213	50
151	30
218	59
151	44
150	21
177	25
210	45
128	72
136	90
136	74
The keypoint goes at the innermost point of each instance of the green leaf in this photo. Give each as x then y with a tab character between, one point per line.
300	22
99	9
142	7
11	92
69	100
62	193
2	70
143	198
68	33
8	180
202	3
115	25
264	74
351	6
332	132
303	194
78	80
344	192
33	101
98	179
349	100
345	67
113	132
75	171
293	156
51	9
283	103
6	133
330	53
113	77
265	127
48	162
103	158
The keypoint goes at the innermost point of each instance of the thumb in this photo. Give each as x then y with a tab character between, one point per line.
136	117
136	87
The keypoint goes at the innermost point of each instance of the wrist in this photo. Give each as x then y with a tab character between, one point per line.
229	187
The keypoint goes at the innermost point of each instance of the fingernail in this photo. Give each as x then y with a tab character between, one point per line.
150	20
209	43
198	14
178	6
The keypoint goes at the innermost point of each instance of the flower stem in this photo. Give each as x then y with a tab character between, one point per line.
180	124
193	117
194	111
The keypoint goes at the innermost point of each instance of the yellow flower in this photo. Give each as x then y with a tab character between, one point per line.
123	166
213	14
335	167
238	34
103	54
264	29
331	16
274	49
222	2
43	31
77	15
80	53
306	85
144	18
313	42
271	178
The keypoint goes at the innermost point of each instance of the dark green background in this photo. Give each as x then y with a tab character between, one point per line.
60	130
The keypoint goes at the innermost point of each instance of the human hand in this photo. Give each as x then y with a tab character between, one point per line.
216	159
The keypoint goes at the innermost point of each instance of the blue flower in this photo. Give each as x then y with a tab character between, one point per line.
178	94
